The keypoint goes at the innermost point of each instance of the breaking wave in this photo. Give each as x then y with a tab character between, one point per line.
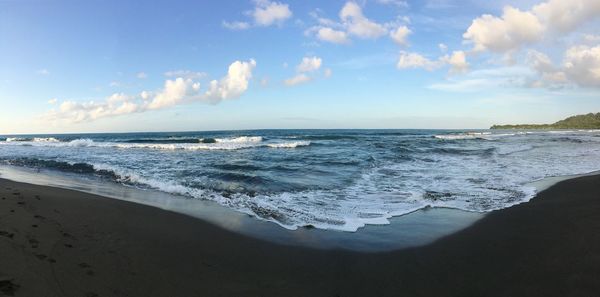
339	180
233	143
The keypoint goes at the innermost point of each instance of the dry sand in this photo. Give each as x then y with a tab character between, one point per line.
57	242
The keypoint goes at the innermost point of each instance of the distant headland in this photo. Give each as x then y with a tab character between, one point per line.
583	121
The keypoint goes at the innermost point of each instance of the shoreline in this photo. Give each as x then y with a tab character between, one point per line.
413	229
417	228
59	242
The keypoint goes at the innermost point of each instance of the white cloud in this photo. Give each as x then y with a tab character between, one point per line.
234	84
88	111
267	13
298	79
549	75
457	61
52	101
516	28
145	95
114	84
333	36
415	60
443	47
185	74
141	75
509	32
236	25
582	65
357	24
400	34
352	23
118	98
566	15
551	22
175	92
43	72
309	64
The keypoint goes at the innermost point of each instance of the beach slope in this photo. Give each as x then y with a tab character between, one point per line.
57	242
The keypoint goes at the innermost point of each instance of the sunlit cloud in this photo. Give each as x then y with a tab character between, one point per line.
298	79
265	13
175	92
308	65
516	28
353	23
456	61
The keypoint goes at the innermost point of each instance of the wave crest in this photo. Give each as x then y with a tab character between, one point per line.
241	139
293	144
235	143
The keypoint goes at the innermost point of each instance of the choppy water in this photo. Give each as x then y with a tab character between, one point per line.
330	179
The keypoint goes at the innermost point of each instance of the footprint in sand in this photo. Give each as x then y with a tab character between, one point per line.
41	256
7	234
34	242
87	266
7	287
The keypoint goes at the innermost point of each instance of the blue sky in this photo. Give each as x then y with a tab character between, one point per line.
117	66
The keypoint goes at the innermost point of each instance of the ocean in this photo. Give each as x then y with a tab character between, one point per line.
327	179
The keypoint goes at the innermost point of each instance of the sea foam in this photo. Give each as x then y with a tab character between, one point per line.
346	180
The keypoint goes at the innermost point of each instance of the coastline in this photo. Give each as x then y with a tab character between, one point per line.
417	228
59	242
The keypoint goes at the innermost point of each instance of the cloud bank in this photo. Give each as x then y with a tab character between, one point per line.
175	92
550	21
353	23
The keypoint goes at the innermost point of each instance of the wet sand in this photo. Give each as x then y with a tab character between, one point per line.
57	242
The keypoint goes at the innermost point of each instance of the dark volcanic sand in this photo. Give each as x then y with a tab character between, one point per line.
56	242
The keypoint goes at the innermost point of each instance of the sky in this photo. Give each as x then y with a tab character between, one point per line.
123	66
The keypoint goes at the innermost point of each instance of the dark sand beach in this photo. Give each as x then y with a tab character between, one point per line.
57	242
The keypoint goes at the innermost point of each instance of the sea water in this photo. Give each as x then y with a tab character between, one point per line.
328	179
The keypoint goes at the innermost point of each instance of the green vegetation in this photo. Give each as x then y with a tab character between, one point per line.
584	121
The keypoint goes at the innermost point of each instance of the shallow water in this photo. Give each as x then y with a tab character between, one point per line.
411	230
329	179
